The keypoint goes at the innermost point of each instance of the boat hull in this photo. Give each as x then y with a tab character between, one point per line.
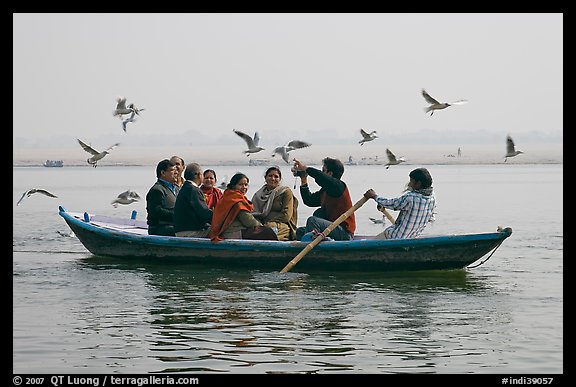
427	253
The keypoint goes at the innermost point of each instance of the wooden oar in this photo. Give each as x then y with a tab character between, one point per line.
388	216
327	231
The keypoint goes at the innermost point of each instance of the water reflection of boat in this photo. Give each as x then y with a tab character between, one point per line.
218	320
178	278
128	238
54	163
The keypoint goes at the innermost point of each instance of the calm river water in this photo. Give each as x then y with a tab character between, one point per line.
77	313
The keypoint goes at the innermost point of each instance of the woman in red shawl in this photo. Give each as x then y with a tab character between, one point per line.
211	194
232	217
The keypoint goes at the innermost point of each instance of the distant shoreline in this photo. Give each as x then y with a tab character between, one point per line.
369	154
104	165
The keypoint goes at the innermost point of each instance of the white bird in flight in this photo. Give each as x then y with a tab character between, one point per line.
132	118
96	155
367	136
135	109
378	221
121	108
435	105
285	149
392	160
126	197
251	142
511	148
33	191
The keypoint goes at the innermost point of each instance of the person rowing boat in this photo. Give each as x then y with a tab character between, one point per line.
416	206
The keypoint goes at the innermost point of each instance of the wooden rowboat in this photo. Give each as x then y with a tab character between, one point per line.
128	238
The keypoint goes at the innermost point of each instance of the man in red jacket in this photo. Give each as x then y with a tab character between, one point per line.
333	198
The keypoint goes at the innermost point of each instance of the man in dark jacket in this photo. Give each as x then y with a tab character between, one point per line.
161	198
192	217
333	199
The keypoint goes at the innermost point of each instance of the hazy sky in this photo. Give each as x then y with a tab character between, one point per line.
315	77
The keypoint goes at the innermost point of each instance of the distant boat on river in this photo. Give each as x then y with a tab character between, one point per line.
54	163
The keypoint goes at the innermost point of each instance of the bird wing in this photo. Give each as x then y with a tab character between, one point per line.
124	194
88	148
391	157
297	144
510	145
282	151
22	197
121	102
364	134
133	194
256	138
245	137
428	98
135	109
459	102
44	192
112	147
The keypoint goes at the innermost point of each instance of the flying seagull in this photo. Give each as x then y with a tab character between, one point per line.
121	108
378	221
33	191
510	148
126	197
132	118
392	160
285	149
96	155
435	105
367	136
135	109
251	142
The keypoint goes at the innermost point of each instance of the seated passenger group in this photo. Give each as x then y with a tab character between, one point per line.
191	206
199	209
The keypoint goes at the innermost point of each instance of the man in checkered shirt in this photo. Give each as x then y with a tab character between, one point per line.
416	206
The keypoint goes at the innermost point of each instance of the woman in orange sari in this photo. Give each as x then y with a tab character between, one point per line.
232	217
211	193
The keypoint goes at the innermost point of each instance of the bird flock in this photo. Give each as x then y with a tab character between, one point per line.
120	111
128	115
254	147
